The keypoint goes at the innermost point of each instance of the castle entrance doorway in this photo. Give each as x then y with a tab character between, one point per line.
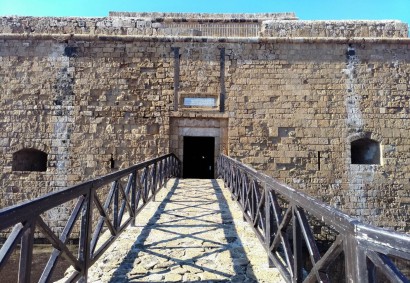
192	138
198	157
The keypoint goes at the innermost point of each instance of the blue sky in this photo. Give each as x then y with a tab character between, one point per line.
304	9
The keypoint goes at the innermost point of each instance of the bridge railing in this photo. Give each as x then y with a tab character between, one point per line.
286	221
125	193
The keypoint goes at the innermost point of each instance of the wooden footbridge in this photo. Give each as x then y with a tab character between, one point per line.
145	224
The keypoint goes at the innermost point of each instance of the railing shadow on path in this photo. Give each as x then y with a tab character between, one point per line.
285	221
97	211
197	198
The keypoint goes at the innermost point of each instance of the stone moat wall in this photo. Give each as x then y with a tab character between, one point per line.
92	98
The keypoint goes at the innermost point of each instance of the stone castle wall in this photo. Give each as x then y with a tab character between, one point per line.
292	106
297	107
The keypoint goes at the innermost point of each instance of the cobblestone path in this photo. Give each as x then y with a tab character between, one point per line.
193	232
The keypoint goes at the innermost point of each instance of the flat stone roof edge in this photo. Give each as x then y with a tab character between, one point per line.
364	21
267	20
201	16
183	39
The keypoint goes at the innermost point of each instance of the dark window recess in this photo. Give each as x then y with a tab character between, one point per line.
29	159
365	151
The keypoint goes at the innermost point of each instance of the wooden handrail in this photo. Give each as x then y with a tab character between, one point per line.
285	229
131	189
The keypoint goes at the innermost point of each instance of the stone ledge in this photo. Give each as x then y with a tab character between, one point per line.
182	39
198	114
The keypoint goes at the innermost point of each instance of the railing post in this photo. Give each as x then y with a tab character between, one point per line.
172	170
297	247
166	170
85	235
268	224
174	165
242	191
133	197
161	173
253	202
225	169
154	180
355	260
220	172
145	184
179	173
26	254
116	223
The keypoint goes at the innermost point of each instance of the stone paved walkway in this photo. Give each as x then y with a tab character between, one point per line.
193	232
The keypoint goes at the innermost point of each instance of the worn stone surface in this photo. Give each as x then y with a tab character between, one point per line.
193	232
